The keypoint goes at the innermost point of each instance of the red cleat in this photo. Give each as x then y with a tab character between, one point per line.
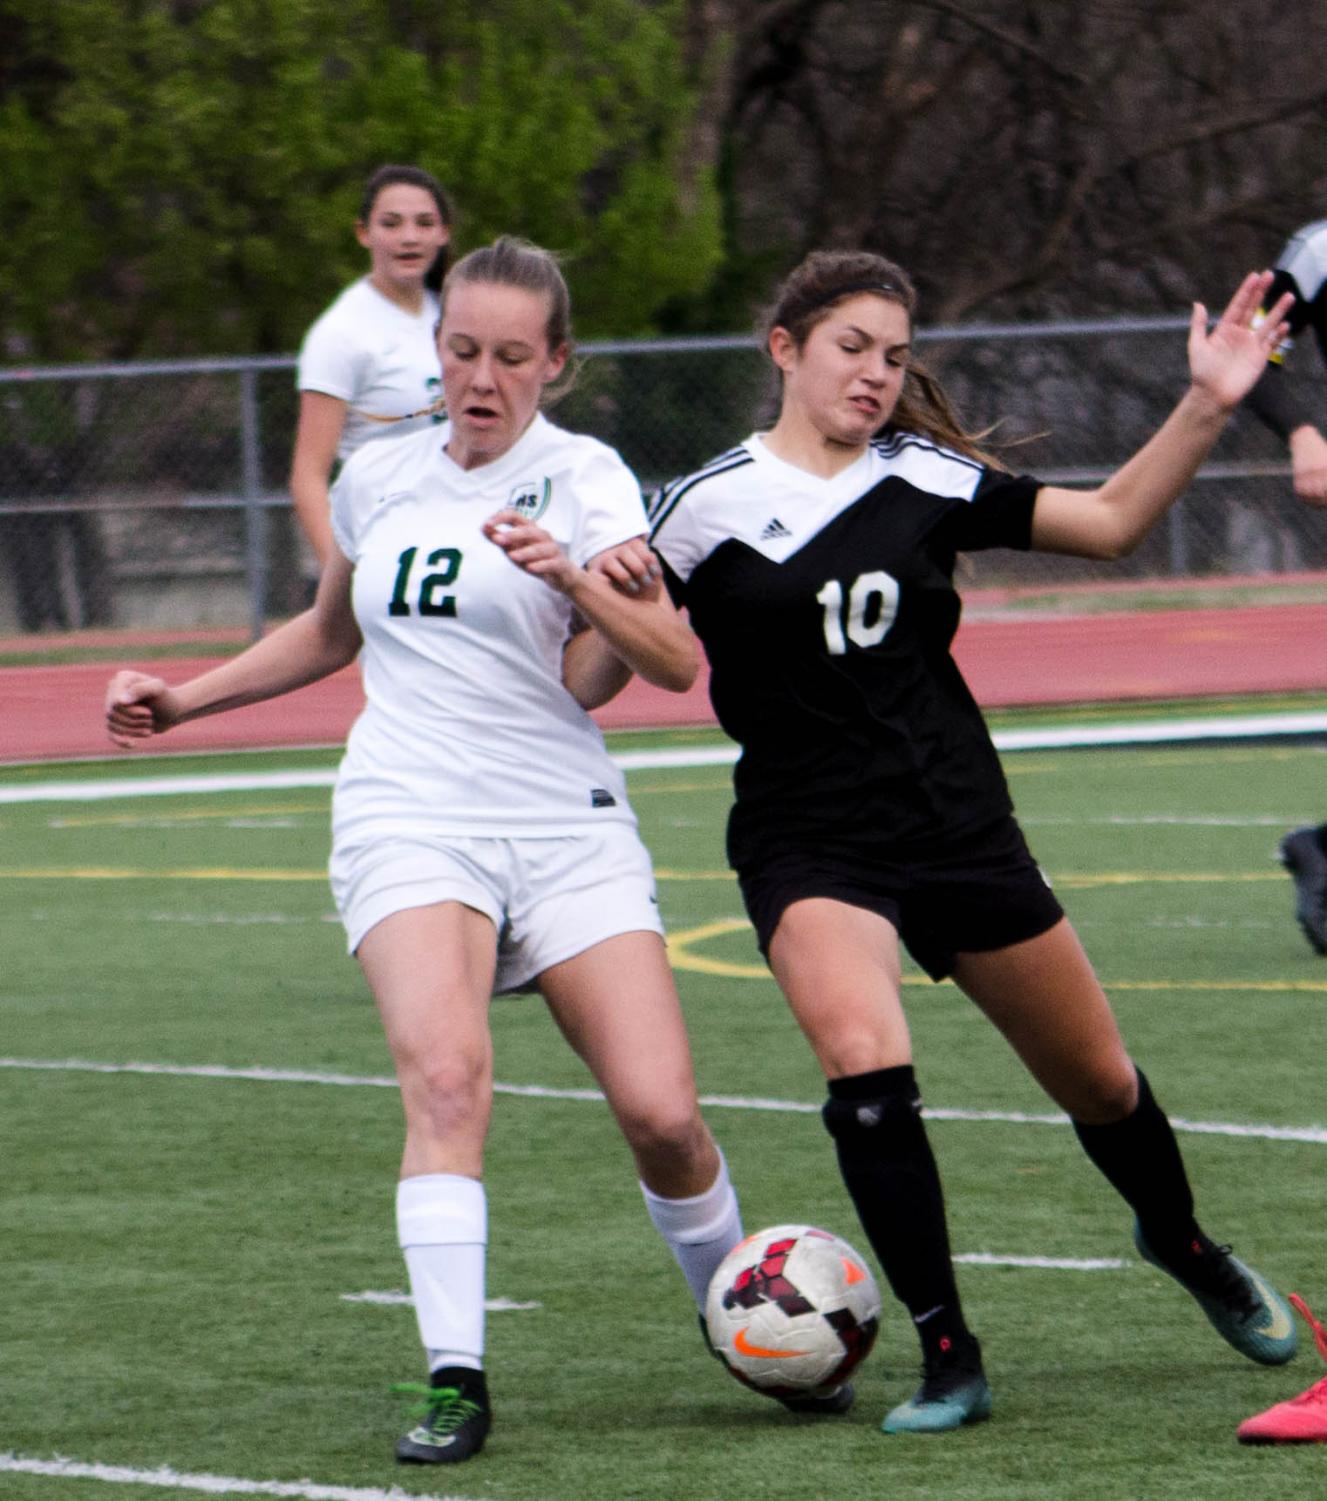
1301	1420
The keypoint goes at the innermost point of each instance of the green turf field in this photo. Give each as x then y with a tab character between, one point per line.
184	1250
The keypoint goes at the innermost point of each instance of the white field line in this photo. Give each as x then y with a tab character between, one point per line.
212	1485
1163	731
491	1305
1046	1263
1312	1135
1153	732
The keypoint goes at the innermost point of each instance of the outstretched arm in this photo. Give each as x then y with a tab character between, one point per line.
1224	362
312	645
635	628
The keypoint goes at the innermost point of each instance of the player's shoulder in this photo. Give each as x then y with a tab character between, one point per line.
1316	231
925	464
586	463
346	309
571	447
713	482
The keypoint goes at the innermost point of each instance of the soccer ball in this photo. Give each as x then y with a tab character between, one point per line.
792	1309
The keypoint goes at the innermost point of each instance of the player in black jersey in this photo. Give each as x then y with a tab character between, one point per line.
1281	402
816	560
1279	398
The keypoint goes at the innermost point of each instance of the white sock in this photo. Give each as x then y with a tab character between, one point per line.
442	1225
700	1231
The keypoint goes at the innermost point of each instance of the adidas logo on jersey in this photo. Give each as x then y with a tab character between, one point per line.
772	529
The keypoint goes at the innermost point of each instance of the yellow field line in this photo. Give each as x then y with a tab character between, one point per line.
127	873
1087	880
1069	881
186	815
193	815
681	946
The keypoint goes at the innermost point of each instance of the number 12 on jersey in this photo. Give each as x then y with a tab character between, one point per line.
870	611
431	601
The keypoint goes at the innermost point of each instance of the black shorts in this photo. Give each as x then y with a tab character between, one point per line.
984	892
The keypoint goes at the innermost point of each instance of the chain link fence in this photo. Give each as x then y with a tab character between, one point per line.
153	496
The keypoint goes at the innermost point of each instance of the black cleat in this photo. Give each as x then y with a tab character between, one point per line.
454	1418
1302	855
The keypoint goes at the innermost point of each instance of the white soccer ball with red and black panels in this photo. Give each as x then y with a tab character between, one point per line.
792	1309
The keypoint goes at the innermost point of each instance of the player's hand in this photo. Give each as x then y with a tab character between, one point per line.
1226	360
631	568
137	707
532	549
1308	456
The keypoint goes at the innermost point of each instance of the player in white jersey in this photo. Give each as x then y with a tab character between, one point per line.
482	839
816	561
368	366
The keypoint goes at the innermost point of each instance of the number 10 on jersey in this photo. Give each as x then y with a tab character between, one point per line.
865	621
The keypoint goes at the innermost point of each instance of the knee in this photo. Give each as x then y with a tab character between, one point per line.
849	1051
667	1133
449	1096
1105	1095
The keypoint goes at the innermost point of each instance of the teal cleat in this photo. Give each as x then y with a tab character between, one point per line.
953	1392
1240	1304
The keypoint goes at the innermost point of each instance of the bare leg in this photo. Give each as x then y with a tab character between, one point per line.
1046	999
618	1007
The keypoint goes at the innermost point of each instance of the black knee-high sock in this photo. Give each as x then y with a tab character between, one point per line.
1141	1158
890	1172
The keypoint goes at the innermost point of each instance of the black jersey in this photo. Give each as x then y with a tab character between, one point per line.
827	609
1280	399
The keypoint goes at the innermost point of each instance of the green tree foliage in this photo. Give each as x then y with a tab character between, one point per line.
183	175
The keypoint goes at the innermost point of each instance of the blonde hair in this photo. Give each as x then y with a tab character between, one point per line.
513	262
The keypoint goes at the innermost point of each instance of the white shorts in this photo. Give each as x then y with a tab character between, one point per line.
548	898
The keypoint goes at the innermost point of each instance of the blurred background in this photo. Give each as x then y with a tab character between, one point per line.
181	177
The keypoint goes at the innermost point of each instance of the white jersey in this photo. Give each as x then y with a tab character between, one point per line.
379	359
468	728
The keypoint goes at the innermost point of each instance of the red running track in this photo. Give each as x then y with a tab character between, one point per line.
55	712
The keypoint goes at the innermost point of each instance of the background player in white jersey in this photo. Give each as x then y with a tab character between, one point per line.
368	367
816	561
1284	401
482	839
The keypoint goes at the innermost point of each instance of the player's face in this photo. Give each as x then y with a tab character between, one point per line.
846	378
496	361
403	235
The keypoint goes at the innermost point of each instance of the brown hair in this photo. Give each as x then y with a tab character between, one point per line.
823	280
513	262
412	177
